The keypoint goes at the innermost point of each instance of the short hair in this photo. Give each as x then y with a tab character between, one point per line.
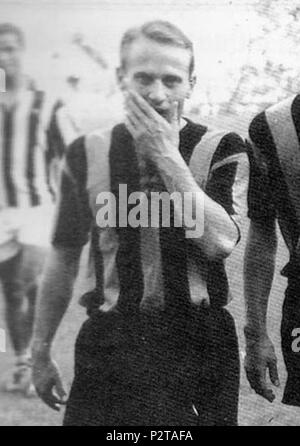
9	28
159	31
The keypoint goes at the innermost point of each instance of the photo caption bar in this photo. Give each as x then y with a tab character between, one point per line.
150	434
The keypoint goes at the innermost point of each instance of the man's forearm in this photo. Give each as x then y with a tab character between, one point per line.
258	275
55	294
220	232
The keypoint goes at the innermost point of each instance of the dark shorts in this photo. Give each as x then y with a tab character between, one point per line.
153	373
290	322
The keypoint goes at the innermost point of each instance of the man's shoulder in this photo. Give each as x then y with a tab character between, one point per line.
260	123
284	105
216	134
103	136
222	142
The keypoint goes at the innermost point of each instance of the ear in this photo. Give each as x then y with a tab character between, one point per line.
120	74
193	80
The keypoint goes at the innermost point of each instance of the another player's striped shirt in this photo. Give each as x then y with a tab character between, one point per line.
157	266
24	158
274	190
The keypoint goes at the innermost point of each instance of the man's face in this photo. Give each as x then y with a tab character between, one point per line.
159	73
10	54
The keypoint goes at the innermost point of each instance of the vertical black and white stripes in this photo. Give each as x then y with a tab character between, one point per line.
23	169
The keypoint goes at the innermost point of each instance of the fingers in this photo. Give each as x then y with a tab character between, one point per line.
54	401
175	114
140	103
258	383
59	388
131	125
273	371
145	112
134	111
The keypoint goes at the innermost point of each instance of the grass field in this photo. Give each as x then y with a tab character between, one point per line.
254	411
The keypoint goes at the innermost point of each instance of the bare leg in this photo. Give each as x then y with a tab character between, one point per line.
19	277
20	310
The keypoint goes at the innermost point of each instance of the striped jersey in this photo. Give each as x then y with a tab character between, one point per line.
274	189
153	267
24	176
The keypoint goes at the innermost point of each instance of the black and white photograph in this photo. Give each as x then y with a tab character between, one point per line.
149	215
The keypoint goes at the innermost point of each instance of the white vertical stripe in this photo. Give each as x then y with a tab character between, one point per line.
197	274
240	189
109	245
97	150
40	177
19	148
153	296
40	182
203	154
3	195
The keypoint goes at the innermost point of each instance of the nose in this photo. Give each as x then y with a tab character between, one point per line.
157	93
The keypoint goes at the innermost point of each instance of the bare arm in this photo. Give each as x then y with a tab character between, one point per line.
220	233
259	272
55	295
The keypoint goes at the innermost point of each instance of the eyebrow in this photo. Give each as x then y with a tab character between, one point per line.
170	76
144	74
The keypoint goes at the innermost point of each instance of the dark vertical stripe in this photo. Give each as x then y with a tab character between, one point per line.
230	144
220	186
56	147
47	163
174	247
261	136
34	120
124	170
98	259
296	115
8	133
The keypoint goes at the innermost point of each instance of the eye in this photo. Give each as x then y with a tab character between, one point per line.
171	81
143	78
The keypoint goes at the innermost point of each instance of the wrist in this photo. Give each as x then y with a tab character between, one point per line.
40	349
255	333
171	164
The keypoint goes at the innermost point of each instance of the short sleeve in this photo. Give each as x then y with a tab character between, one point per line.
261	207
73	214
229	177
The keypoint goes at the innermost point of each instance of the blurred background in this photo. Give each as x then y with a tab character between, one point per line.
246	52
246	59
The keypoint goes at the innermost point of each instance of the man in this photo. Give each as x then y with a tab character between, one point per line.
274	195
160	349
25	200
